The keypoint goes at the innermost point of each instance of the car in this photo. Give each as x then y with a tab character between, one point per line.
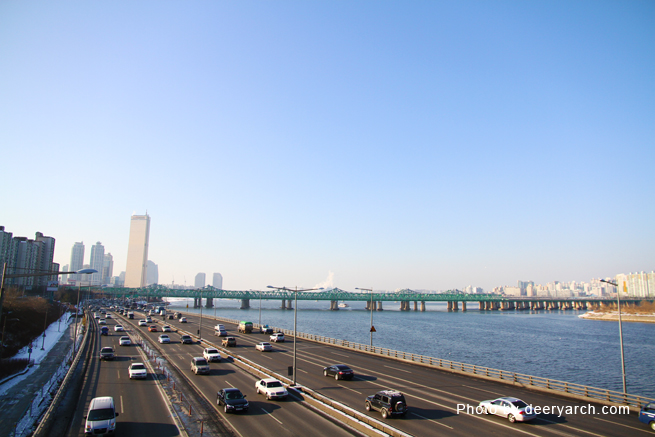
265	329
102	322
108	316
143	323
148	319
124	341
152	328
277	338
182	319
101	418
104	330
514	409
233	400
199	365
211	354
164	338
388	402
221	332
119	328
271	388
186	339
647	415
171	316
264	346
96	316
166	328
107	353
229	341
339	371
138	371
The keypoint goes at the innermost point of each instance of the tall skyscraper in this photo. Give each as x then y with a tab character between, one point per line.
153	273
200	280
97	262
137	252
77	259
107	268
217	281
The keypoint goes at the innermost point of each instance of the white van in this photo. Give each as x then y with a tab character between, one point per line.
101	419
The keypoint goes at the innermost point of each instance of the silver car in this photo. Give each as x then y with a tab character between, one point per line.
514	409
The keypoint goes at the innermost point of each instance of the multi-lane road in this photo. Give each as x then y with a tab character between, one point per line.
433	396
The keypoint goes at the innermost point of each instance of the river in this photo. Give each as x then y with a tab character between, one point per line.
552	344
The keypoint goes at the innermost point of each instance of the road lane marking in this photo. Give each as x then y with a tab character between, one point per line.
303	371
395	368
343	355
270	414
122	409
567	426
488	391
431	420
348	388
627	426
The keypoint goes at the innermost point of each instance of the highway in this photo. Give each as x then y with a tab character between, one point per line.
432	395
140	404
275	417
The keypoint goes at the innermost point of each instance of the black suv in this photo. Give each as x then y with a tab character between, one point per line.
387	402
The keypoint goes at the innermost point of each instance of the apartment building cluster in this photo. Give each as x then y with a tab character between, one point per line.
100	261
23	255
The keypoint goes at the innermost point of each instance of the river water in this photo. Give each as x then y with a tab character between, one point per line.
550	344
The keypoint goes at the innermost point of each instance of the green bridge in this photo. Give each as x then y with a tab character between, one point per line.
403	297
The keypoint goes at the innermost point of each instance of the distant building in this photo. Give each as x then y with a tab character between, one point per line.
45	255
107	268
636	284
23	255
77	260
199	281
137	252
97	262
217	281
153	273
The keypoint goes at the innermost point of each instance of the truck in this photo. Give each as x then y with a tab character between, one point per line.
265	329
245	327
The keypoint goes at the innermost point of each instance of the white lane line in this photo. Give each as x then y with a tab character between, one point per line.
271	416
476	388
400	370
228	383
348	388
343	355
431	420
567	426
627	426
122	409
303	371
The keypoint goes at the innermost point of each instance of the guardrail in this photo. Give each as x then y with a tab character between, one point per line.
529	381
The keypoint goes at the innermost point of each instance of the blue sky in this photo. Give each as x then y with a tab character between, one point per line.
422	144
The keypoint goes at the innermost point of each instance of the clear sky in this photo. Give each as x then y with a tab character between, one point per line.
386	144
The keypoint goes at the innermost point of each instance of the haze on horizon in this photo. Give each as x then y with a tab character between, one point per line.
423	145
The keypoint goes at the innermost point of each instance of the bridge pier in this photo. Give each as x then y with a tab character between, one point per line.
380	306
284	304
455	306
245	304
416	305
210	302
450	306
423	306
289	304
334	305
463	305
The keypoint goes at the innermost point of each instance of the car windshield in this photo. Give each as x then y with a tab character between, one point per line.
107	349
101	414
233	395
274	384
519	404
125	338
186	337
138	367
201	362
212	351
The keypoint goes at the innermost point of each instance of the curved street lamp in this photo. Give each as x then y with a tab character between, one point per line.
618	304
295	319
372	328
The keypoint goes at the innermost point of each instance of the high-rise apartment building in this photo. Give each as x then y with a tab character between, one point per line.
107	268
97	262
45	255
77	260
217	281
200	281
137	252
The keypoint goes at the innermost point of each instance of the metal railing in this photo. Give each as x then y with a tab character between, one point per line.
530	381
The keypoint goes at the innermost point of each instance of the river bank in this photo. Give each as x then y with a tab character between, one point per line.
614	317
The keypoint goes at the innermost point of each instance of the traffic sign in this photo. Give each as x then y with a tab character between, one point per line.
373	329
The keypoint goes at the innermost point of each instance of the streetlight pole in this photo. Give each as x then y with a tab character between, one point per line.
618	303
295	320
372	328
200	327
260	310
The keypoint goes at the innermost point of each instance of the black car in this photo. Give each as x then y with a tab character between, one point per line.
186	339
339	371
233	400
388	402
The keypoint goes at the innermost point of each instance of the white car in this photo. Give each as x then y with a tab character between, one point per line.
138	371
143	323
182	319
271	388
264	347
164	339
124	341
102	322
211	354
108	316
278	337
166	328
119	328
513	408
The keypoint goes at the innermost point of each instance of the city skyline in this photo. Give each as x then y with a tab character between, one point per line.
429	145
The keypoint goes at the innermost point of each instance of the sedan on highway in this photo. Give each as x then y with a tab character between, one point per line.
119	328
339	371
143	323
182	319
152	328
164	338
124	341
233	399
102	322
277	337
138	371
166	328
271	388
264	346
513	408
186	339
